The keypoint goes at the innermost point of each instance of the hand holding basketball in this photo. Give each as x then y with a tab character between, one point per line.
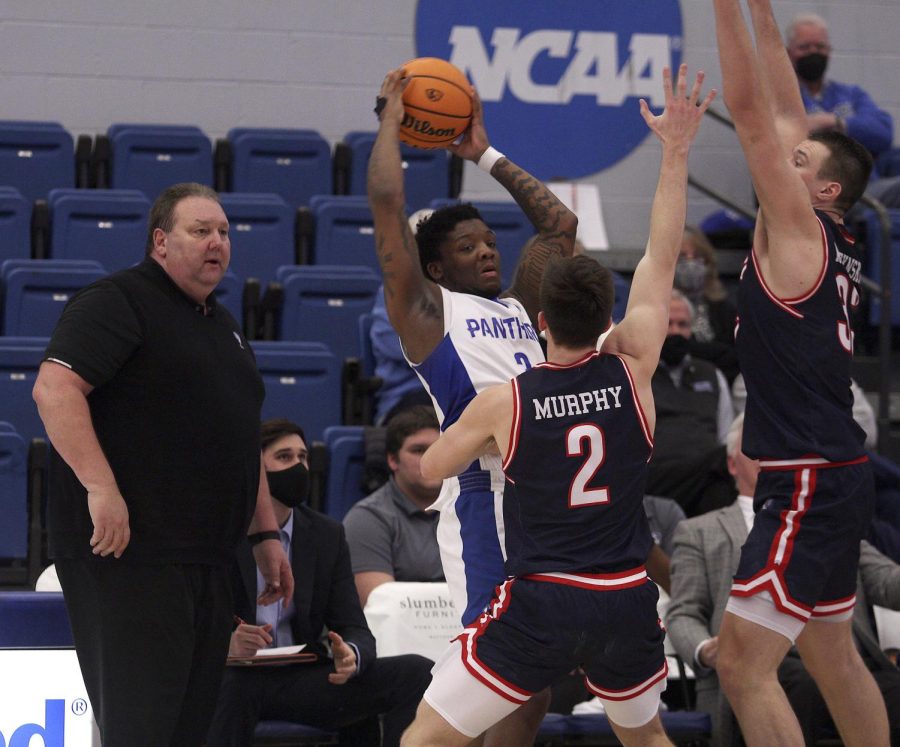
437	103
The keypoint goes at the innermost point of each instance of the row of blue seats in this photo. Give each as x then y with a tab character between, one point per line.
296	164
110	226
320	303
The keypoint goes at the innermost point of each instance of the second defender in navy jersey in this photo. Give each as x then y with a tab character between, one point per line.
575	435
795	355
813	501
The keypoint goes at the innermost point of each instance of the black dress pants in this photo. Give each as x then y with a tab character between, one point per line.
391	687
151	642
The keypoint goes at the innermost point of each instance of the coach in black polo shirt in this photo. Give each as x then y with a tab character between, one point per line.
151	398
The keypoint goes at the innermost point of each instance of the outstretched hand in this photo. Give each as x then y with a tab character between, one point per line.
678	124
474	141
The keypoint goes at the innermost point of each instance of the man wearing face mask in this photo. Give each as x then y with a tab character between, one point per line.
697	277
693	414
831	105
348	688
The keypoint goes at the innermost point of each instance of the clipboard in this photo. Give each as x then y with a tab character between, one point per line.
274	657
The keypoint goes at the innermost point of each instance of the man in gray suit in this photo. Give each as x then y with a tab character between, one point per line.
706	555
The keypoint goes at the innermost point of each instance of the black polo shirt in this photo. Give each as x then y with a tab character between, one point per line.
176	408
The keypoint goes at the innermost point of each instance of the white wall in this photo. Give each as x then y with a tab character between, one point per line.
318	64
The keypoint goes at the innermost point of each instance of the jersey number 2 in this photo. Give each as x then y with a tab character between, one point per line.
586	440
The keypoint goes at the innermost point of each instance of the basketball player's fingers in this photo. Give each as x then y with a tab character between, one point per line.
667	83
477	109
126	538
704	105
682	80
698	85
646	113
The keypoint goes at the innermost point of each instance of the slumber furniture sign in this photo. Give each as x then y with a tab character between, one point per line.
559	79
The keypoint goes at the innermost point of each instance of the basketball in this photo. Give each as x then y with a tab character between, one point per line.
437	103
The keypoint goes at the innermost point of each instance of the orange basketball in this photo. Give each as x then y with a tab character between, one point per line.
437	103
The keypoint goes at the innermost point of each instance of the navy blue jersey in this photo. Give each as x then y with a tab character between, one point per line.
795	357
576	469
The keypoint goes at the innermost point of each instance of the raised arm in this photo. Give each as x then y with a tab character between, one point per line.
641	333
554	224
787	239
413	302
778	77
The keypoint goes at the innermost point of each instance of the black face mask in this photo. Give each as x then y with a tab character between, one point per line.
290	486
674	349
811	67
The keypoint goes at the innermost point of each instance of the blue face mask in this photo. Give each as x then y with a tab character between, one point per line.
690	275
290	486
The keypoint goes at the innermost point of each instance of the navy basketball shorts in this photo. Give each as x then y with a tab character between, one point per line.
541	627
803	550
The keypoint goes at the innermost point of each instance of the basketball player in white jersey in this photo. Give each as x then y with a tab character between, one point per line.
461	334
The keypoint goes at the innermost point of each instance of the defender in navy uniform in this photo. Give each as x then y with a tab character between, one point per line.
813	501
575	435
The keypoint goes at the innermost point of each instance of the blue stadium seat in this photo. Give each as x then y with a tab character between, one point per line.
512	228
151	157
13	494
229	294
303	384
106	225
36	157
34	619
262	234
345	231
873	263
296	164
15	225
35	292
346	464
323	303
20	358
426	173
682	727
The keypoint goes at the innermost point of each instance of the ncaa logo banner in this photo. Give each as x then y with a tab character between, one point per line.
559	79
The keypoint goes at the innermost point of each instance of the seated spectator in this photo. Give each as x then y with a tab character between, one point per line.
693	412
707	551
697	277
391	535
348	688
831	105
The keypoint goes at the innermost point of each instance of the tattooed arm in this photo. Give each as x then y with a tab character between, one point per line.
413	302
554	222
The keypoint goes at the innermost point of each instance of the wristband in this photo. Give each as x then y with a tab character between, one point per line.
489	158
255	539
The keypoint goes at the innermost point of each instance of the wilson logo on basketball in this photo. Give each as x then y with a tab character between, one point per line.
434	94
424	127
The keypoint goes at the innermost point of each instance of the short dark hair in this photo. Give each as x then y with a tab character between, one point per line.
849	164
433	231
271	430
162	214
406	422
576	296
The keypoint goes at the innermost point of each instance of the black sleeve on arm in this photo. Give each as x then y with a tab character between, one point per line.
96	334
